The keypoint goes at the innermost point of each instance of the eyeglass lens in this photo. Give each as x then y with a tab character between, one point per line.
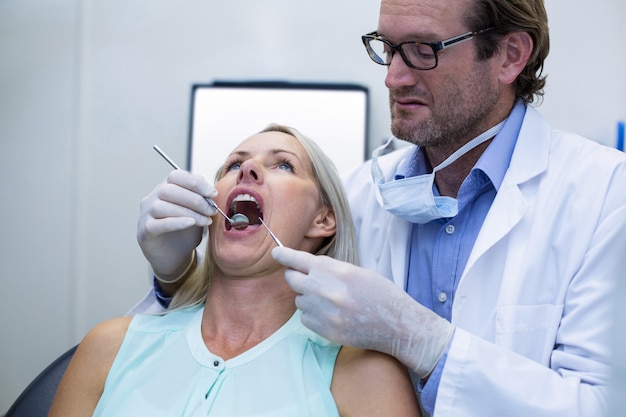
419	55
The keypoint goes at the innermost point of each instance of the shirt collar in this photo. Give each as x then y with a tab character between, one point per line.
414	164
496	159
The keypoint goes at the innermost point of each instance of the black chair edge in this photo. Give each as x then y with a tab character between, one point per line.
36	399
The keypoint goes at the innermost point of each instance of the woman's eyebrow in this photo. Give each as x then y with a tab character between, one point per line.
292	153
279	150
274	151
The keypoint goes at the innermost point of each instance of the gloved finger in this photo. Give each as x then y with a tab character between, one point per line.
156	227
294	259
183	197
317	307
192	182
312	322
321	316
299	282
160	209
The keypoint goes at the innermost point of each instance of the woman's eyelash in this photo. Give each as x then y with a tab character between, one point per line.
231	164
285	161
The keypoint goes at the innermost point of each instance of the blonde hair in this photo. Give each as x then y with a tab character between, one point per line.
342	245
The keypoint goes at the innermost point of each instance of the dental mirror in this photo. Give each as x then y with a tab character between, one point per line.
239	221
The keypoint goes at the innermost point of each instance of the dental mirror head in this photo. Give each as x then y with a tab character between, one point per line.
239	221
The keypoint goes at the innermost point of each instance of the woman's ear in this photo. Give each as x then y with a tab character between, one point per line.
517	47
324	224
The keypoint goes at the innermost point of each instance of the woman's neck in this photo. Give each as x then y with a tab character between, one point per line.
240	313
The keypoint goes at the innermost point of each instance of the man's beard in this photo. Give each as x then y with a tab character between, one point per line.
458	115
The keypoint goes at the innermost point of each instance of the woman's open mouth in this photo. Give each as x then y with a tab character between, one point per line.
248	206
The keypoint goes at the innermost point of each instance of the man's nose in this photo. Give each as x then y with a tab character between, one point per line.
399	74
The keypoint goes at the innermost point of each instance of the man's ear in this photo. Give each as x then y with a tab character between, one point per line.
324	224
516	49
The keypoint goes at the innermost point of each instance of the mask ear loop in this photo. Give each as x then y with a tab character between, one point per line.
377	173
483	137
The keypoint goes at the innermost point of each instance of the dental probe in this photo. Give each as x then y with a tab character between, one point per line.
239	221
271	234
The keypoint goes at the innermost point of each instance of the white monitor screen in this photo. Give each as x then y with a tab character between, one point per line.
224	114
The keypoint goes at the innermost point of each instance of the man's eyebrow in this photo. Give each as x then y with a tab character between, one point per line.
416	37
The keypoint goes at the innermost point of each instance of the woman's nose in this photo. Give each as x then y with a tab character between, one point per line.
250	170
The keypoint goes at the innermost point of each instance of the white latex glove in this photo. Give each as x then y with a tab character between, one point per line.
357	307
171	219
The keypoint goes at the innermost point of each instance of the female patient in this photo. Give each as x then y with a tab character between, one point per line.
233	343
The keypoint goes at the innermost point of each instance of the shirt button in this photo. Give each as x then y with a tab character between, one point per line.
216	363
443	297
450	229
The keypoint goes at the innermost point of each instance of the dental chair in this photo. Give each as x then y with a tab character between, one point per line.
36	399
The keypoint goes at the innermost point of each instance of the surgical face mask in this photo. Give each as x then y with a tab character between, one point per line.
412	198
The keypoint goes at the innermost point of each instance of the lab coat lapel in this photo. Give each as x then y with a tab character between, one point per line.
529	159
400	246
392	254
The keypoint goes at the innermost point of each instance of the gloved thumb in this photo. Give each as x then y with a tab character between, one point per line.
294	259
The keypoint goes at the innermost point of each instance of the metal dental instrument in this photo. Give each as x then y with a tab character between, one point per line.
271	234
239	221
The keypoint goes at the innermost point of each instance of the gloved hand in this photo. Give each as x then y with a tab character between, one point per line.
357	307
170	222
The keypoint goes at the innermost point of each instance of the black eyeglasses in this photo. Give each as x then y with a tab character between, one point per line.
417	55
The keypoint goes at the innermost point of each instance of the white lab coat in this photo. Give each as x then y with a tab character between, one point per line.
533	305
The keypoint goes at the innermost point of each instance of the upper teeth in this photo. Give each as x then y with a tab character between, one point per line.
244	197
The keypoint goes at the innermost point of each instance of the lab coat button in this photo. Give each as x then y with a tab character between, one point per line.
443	297
450	229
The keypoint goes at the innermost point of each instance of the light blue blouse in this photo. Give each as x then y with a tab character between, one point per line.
164	368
